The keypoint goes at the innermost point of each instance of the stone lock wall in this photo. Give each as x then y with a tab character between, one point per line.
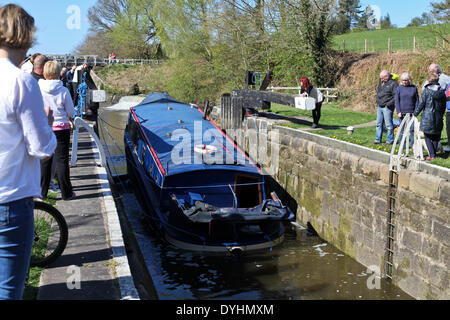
341	190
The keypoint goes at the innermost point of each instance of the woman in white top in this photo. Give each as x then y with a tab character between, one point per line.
58	99
25	138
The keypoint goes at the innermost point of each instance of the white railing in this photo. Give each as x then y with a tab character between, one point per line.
327	92
96	61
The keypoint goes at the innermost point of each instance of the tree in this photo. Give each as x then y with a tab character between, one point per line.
386	22
105	14
313	20
348	15
128	25
441	11
135	30
424	20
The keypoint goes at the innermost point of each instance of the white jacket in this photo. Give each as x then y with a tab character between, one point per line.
58	98
25	136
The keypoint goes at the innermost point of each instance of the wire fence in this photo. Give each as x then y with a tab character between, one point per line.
390	45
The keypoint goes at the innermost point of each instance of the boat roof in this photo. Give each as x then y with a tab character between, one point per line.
175	128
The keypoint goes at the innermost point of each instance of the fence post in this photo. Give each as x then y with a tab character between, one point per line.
414	44
389	45
365	45
343	45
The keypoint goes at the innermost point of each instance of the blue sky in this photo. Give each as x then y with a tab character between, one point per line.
54	35
400	11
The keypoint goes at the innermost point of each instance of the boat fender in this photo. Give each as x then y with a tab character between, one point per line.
169	108
205	148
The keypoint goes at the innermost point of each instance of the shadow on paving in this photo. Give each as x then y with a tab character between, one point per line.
81	258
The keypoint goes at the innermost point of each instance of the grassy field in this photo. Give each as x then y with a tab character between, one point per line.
401	39
334	116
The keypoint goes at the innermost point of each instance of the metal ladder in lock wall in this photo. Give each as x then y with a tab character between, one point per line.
394	169
390	238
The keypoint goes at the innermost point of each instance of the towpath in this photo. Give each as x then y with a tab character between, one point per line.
94	265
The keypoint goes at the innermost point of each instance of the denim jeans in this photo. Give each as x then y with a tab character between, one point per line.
16	240
384	116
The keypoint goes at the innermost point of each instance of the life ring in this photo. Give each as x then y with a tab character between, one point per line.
205	148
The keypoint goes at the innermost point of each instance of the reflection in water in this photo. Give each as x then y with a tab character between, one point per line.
302	267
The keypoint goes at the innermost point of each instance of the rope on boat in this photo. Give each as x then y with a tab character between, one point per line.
82	93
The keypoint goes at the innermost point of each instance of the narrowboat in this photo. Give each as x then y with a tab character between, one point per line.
199	188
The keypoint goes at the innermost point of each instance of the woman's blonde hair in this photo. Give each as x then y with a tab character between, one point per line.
52	70
406	76
16	27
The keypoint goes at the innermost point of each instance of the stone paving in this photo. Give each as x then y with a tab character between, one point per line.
86	270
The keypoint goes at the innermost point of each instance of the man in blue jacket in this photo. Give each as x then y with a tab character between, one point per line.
386	105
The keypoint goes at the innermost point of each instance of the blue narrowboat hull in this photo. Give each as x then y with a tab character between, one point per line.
202	207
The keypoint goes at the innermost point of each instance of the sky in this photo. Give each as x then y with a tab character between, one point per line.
62	24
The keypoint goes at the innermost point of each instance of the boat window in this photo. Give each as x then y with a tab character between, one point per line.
248	195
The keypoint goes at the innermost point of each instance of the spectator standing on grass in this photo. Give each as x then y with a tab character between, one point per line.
447	94
57	97
313	92
406	99
25	138
387	88
444	80
432	104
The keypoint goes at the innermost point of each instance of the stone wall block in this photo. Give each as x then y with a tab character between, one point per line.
444	193
320	152
384	173
350	162
412	240
333	156
285	140
425	185
441	231
438	275
310	147
403	178
430	248
369	168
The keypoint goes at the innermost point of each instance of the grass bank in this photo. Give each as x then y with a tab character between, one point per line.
334	116
401	39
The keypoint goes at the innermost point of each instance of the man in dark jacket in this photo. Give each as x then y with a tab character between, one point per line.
386	105
433	106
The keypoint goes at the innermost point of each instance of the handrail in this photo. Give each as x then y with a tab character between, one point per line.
418	143
78	122
95	60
